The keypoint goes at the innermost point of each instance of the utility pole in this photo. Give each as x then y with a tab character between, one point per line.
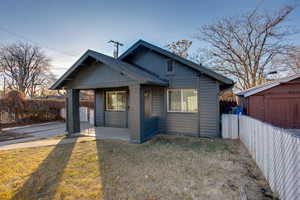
4	85
4	81
117	44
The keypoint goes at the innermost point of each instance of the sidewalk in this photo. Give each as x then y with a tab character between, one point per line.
38	132
46	142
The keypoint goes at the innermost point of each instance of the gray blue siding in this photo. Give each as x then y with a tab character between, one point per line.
182	123
157	63
116	119
209	107
184	82
99	108
98	75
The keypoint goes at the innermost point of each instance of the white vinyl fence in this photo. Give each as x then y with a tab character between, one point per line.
86	114
275	150
230	128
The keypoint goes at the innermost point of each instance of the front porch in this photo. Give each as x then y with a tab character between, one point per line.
101	133
103	74
131	120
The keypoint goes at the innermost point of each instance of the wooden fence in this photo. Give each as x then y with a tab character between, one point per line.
5	117
275	150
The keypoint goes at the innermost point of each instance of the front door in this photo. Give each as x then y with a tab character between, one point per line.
147	103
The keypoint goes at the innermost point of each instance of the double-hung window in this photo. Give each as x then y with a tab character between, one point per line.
115	100
170	67
182	100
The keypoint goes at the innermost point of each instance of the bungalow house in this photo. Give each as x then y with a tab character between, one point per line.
146	90
276	102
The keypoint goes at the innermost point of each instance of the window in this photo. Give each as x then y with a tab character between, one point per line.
115	100
182	100
169	66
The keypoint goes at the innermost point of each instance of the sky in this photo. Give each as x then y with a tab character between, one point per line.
65	29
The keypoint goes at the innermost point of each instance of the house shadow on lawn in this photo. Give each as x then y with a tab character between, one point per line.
101	156
108	151
43	183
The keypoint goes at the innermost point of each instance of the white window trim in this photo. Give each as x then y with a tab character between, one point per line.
181	96
106	101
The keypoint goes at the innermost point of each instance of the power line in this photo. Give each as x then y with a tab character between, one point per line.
34	42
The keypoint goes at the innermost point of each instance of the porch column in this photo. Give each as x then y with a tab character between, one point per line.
73	120
99	108
136	113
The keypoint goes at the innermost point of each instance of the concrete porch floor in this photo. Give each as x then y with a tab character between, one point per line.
107	133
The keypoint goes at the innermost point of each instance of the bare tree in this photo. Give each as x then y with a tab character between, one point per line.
292	60
180	48
24	66
45	81
243	47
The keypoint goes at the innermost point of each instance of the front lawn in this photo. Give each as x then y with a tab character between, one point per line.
167	167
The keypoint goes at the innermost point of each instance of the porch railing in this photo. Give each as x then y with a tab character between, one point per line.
150	126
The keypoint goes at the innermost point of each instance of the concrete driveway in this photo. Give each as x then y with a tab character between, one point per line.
35	135
39	131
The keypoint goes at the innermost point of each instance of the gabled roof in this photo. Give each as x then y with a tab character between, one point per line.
267	86
186	62
132	71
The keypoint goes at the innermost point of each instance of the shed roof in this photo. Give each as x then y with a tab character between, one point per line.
184	61
132	71
260	88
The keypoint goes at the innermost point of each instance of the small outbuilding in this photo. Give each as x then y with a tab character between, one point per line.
277	102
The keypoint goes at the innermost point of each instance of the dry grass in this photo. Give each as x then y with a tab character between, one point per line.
67	171
166	167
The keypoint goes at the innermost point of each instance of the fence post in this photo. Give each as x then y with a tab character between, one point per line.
238	125
243	194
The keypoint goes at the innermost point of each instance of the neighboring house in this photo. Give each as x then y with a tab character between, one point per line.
49	97
277	102
146	90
